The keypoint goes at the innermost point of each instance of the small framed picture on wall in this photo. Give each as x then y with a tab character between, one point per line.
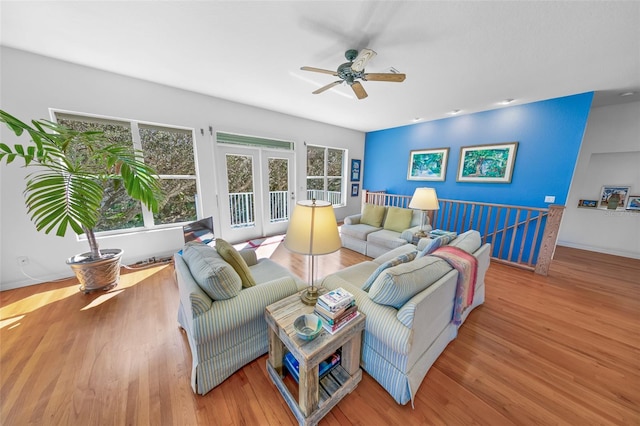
634	202
355	170
355	189
613	197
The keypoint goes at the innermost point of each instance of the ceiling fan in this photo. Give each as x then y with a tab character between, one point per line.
352	71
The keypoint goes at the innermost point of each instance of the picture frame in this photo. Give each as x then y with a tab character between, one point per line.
355	170
355	189
487	163
634	202
613	197
428	164
590	204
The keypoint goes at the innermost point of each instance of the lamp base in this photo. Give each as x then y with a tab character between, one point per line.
309	296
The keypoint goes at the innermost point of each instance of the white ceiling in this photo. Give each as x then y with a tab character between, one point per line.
457	55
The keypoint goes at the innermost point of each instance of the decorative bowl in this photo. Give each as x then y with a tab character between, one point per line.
307	326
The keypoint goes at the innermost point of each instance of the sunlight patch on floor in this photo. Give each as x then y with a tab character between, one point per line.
264	247
7	322
101	299
37	301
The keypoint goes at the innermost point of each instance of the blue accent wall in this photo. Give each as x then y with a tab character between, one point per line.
549	134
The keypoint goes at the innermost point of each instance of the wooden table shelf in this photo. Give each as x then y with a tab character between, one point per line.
315	397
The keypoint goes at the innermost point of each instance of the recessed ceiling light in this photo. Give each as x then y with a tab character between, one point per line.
507	101
627	93
415	120
456	111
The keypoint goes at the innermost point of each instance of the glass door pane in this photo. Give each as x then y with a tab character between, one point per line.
278	190
240	189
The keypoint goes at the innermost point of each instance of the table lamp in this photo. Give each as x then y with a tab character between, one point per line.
424	199
313	230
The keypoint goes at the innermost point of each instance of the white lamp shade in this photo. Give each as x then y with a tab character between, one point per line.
313	229
424	199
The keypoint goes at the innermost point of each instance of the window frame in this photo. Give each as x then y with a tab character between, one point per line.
325	178
147	215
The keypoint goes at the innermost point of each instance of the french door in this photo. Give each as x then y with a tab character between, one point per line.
257	191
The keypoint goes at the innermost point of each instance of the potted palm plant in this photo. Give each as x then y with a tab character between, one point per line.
66	189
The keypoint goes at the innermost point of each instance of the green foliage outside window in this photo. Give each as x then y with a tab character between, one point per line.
169	151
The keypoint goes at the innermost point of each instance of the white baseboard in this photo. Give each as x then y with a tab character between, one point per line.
599	249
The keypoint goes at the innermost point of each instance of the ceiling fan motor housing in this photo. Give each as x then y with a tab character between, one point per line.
346	73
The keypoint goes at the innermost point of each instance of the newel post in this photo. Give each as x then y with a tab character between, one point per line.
549	239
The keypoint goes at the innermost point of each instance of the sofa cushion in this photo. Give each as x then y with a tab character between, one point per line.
372	214
359	231
429	245
215	276
233	258
386	238
398	219
403	258
469	241
397	284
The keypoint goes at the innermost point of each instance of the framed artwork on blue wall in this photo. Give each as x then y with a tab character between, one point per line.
487	163
428	164
355	189
355	170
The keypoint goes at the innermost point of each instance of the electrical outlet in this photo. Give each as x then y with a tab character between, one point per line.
23	260
549	199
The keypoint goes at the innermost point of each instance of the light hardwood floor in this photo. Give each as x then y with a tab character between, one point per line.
562	349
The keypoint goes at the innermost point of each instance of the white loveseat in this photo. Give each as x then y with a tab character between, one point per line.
404	337
379	229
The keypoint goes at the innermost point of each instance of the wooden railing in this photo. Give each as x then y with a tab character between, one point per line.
520	236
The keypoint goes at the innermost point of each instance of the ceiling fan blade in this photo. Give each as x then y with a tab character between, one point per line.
361	60
384	77
359	90
327	87
319	70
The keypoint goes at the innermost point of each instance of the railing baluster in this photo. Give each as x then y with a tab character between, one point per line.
514	234
524	236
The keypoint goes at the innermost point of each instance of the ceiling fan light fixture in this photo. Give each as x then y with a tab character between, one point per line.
353	71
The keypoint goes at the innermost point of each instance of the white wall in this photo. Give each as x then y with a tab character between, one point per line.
610	155
32	84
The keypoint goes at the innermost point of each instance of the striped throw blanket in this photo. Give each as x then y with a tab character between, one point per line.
467	267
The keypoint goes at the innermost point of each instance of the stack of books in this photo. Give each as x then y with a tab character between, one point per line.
336	308
323	368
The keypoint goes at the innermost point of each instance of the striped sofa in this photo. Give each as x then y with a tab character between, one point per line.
225	335
402	342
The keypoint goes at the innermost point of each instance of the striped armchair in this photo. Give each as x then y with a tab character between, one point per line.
225	335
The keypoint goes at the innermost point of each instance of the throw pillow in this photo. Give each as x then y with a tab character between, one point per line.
434	243
403	258
372	214
394	287
214	276
233	258
469	241
398	219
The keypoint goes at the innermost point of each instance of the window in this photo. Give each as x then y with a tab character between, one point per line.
169	150
325	168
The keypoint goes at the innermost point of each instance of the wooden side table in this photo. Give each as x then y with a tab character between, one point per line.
315	398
